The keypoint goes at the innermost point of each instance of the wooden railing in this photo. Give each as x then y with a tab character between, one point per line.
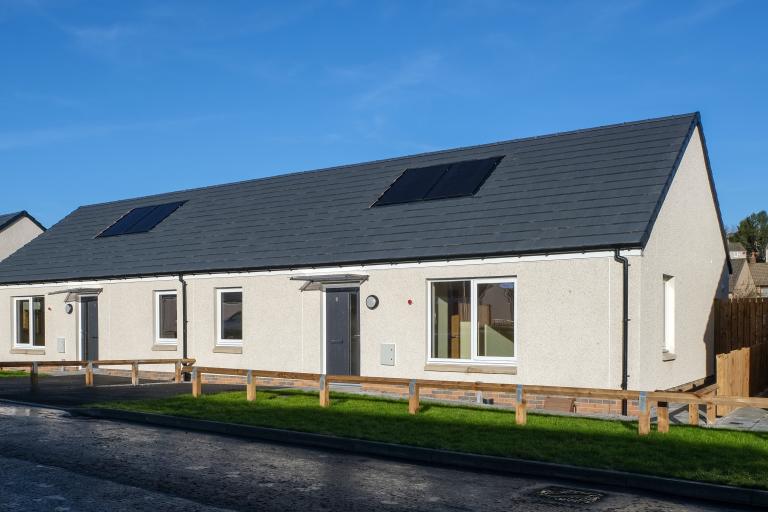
181	366
646	399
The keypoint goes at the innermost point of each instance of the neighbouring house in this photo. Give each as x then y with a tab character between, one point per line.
16	230
741	284
514	262
759	273
737	251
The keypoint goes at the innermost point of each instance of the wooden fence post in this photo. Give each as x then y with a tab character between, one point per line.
89	374
413	397
250	387
134	374
521	413
662	416
711	413
644	415
33	377
325	392
197	383
177	377
693	414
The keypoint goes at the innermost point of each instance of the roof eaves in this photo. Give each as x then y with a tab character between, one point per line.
695	123
568	250
20	215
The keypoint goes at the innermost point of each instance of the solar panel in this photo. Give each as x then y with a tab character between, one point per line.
412	185
456	179
141	220
463	178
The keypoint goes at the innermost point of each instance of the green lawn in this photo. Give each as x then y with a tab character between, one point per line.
13	373
725	457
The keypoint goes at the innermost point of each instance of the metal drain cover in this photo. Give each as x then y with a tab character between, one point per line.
570	496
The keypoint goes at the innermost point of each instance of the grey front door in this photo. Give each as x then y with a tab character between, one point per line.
342	331
89	322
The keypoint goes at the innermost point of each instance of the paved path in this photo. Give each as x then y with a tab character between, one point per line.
745	418
51	461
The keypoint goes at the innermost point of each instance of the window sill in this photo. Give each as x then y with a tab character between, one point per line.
222	349
668	356
471	368
30	351
165	347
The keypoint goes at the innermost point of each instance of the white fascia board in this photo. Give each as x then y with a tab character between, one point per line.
343	269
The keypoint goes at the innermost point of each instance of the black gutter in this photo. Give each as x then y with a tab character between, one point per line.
303	266
184	353
624	325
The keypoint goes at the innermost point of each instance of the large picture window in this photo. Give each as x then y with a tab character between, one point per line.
166	318
472	320
29	321
229	304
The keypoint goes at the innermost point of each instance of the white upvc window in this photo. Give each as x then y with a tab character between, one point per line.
472	320
669	314
229	316
166	318
28	322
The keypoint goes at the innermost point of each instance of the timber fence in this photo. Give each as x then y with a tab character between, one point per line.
740	323
645	399
181	366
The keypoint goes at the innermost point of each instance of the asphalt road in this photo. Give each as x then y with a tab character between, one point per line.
51	461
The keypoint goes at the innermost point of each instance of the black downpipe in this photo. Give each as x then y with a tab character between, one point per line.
624	325
184	352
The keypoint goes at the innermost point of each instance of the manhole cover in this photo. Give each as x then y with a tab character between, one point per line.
570	496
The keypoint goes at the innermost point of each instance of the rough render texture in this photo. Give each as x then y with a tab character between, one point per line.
568	318
17	235
685	243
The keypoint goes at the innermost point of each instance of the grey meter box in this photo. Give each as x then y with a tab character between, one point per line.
388	354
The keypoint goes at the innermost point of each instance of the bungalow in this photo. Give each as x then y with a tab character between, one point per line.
16	230
562	259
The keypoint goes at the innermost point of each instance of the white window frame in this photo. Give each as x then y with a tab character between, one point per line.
158	339
222	342
670	322
29	344
474	358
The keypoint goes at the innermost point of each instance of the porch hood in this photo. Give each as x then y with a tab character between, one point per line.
316	282
74	294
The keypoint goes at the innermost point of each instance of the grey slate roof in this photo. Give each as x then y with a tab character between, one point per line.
759	273
6	219
739	266
587	189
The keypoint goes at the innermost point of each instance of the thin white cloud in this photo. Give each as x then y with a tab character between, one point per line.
32	138
412	73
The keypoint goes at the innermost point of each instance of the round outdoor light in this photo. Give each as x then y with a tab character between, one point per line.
372	302
68	309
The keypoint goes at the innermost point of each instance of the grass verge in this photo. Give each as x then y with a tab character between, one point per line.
691	453
13	373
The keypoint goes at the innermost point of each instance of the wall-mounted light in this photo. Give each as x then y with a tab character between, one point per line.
372	302
68	309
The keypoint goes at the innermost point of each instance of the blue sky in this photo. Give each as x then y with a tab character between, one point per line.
105	100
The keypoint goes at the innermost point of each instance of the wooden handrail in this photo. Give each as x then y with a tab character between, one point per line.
103	362
645	399
181	366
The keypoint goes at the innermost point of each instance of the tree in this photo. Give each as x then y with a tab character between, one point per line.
752	233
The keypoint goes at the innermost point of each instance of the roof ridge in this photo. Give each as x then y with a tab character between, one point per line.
414	155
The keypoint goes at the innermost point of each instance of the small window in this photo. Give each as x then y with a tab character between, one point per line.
230	316
472	320
29	321
669	314
166	317
443	181
141	220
